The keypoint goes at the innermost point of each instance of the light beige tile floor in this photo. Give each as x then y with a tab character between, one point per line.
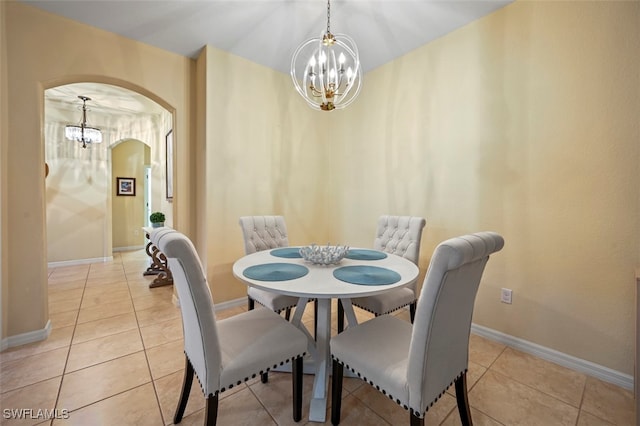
115	357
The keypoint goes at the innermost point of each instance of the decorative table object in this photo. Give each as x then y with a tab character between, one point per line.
324	255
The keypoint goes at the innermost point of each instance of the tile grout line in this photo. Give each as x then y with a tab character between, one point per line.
144	349
275	421
367	405
582	393
75	324
584	389
486	369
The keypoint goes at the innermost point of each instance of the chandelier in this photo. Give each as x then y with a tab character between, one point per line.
326	70
83	133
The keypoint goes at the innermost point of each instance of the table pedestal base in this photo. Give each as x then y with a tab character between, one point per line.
321	351
318	410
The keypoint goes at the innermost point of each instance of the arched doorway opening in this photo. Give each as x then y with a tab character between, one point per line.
81	187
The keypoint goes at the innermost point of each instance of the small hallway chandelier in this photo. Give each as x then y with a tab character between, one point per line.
326	70
83	133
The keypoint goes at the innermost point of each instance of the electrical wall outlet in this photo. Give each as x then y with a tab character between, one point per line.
505	295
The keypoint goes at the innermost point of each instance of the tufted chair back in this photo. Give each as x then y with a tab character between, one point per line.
400	235
414	365
439	349
223	354
263	233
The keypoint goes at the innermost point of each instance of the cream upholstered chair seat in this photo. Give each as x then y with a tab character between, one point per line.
399	235
414	365
223	354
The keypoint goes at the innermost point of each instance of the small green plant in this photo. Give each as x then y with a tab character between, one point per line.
156	217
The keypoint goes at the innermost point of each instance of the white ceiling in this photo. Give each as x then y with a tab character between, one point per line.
268	31
105	99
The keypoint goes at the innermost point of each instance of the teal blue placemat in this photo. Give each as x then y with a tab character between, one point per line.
275	272
288	252
366	275
363	254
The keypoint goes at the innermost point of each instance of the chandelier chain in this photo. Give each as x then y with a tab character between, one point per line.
328	16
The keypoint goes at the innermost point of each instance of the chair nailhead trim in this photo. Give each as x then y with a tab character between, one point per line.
397	401
277	312
222	389
384	313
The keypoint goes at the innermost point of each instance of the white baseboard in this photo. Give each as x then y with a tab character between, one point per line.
80	262
129	248
24	338
590	368
217	306
230	304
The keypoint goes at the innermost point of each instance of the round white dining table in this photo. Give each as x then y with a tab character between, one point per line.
283	271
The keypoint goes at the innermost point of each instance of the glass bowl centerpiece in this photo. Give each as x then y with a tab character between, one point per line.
323	255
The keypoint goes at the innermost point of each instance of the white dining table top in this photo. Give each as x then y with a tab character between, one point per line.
320	282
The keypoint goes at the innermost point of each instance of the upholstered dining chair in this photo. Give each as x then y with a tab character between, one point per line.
400	235
415	364
223	354
266	233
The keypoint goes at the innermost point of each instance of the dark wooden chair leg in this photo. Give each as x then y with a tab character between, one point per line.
463	400
264	377
416	421
336	392
340	317
296	380
287	314
251	304
211	410
412	311
184	394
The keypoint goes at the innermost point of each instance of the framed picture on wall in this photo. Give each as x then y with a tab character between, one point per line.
169	164
126	186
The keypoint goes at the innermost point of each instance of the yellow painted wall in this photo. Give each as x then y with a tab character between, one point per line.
265	152
4	205
129	159
43	50
525	122
76	192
